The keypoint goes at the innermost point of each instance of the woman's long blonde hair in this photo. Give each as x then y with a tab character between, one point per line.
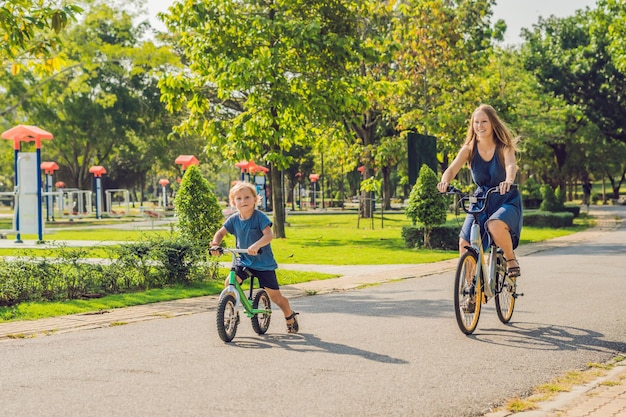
501	133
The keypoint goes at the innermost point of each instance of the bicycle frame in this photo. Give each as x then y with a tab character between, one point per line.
476	244
489	278
233	287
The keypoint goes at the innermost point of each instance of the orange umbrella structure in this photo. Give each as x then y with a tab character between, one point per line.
186	160
26	133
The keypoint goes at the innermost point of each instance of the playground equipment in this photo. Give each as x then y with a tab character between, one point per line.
313	178
110	194
164	183
28	213
49	168
186	161
97	172
78	201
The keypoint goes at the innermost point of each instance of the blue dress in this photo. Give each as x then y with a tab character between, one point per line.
506	207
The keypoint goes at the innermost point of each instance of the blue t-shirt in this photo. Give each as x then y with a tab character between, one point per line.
247	232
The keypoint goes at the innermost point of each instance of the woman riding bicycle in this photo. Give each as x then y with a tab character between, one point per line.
489	149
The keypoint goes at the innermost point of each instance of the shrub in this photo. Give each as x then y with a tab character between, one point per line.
198	210
551	199
426	204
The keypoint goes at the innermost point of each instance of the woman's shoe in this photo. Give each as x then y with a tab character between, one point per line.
513	271
293	326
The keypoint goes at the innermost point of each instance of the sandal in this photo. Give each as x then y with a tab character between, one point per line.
293	326
513	271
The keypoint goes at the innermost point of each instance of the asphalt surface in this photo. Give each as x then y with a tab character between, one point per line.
605	396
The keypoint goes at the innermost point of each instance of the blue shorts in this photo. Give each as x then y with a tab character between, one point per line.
267	279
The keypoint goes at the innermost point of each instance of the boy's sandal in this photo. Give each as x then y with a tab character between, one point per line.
513	271
293	326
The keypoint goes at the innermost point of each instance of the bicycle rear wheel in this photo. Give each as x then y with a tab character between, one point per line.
227	318
505	291
261	322
468	293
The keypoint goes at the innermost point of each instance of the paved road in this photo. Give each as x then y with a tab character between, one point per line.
389	350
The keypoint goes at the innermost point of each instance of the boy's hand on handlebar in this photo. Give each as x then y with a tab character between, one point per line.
253	250
216	250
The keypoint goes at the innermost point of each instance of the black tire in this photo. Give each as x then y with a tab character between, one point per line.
261	322
227	318
466	290
505	292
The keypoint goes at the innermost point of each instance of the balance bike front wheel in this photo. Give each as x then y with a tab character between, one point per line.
227	318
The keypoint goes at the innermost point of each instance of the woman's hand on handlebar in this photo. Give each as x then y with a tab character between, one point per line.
443	187
505	186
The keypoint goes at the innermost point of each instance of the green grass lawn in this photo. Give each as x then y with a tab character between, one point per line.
325	239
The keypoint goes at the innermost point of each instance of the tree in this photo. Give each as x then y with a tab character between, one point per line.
30	31
104	106
259	74
426	204
199	213
574	58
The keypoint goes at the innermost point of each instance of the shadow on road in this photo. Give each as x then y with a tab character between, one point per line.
304	342
540	336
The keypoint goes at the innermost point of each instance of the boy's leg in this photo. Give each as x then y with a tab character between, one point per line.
269	282
281	301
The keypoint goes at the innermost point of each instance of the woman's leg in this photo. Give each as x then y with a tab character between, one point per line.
502	236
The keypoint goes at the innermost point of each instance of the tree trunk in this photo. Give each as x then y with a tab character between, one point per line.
386	188
278	205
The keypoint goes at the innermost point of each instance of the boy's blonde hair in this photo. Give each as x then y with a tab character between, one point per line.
239	186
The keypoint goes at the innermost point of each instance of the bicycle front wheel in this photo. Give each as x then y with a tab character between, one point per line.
261	321
505	291
468	293
227	318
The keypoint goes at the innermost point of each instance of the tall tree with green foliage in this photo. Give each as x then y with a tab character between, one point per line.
30	32
199	213
103	106
426	204
259	73
578	59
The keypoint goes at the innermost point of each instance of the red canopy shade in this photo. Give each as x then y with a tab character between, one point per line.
314	177
259	168
49	167
244	165
59	184
97	170
164	182
24	133
186	160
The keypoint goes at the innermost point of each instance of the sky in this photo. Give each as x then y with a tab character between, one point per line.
517	14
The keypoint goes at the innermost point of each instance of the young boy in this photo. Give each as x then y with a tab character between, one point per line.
253	230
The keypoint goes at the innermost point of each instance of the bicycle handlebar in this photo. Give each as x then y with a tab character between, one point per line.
235	250
465	198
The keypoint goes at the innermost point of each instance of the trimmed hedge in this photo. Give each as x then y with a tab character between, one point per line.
441	237
549	219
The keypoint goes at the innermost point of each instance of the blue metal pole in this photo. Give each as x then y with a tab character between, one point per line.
39	210
18	236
